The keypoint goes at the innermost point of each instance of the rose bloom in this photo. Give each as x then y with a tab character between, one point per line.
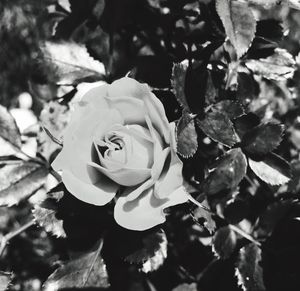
119	144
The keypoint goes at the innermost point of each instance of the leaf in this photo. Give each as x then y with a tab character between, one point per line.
88	270
269	219
5	280
269	3
248	271
53	119
19	181
178	83
239	23
45	213
224	242
72	62
219	128
186	135
279	66
10	139
186	287
245	123
232	109
274	170
263	139
204	217
152	254
227	173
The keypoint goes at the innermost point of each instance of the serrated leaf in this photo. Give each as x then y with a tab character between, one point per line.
274	170
279	66
248	270
245	123
5	280
10	138
204	217
186	287
45	213
239	23
271	217
153	253
224	242
263	139
19	181
227	173
178	83
218	127
232	109
88	270
186	135
72	62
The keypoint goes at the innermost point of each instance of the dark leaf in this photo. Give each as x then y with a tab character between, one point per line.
245	123
247	88
227	173
72	63
153	253
88	270
294	183
273	170
232	109
279	66
218	127
211	90
239	23
248	270
205	218
5	280
263	139
10	139
45	213
224	242
271	217
187	143
19	181
178	83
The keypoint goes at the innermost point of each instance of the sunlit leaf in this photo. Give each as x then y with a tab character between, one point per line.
186	287
19	181
279	66
45	213
88	270
239	23
5	280
274	170
10	139
72	62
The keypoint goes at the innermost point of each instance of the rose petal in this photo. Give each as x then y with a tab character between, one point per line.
99	193
146	211
170	178
152	105
78	142
125	176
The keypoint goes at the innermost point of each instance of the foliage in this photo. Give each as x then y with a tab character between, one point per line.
227	73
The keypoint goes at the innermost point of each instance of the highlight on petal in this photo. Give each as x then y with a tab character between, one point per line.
99	193
146	211
171	177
